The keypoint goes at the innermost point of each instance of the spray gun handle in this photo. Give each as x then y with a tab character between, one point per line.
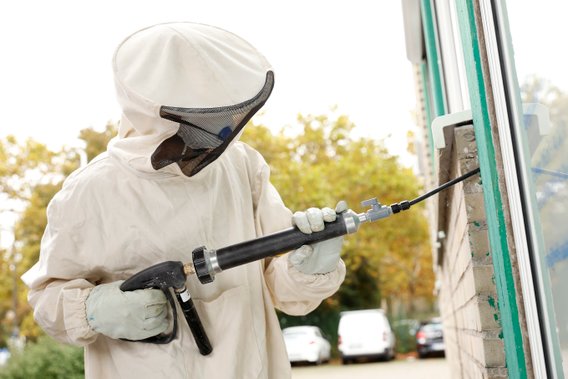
194	322
163	276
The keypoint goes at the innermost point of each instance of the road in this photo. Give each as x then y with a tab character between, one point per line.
433	368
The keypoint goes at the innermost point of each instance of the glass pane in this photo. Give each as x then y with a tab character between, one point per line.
451	53
538	30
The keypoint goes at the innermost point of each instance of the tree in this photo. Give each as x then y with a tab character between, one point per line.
390	259
27	171
387	260
96	142
30	175
539	90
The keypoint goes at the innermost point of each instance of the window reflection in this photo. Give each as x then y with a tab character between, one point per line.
540	63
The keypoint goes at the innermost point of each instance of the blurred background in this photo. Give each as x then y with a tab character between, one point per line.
343	122
339	125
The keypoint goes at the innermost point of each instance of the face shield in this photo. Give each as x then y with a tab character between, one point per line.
204	133
193	84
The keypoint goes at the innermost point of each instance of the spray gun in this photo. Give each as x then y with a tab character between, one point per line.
206	263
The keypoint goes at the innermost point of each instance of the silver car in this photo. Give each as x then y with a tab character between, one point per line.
306	344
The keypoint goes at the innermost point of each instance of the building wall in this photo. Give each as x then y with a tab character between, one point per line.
467	292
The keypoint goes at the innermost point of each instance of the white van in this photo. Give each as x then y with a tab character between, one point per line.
365	334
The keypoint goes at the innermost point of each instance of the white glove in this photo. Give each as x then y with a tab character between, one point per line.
321	257
132	315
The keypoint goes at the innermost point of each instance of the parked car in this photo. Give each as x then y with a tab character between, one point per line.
365	334
430	339
306	344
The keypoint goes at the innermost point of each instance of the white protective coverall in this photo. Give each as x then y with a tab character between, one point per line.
118	215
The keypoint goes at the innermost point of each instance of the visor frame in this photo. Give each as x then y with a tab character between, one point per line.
173	114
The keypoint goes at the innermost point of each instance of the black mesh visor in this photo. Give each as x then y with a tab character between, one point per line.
205	133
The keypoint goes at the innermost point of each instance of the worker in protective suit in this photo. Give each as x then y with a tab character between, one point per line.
175	178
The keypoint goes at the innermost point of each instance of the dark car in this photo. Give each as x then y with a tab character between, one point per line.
430	339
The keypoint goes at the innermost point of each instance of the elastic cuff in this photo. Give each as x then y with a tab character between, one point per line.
75	315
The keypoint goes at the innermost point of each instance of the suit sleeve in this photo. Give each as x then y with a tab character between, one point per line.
292	291
58	283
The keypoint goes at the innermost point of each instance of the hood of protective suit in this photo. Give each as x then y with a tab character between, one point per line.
186	92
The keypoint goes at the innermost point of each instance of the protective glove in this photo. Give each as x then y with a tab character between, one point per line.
132	315
321	257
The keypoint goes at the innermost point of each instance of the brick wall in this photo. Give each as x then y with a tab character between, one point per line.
467	292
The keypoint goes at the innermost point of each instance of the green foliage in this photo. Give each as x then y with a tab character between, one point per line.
390	259
405	332
539	90
96	142
27	171
46	359
25	165
30	175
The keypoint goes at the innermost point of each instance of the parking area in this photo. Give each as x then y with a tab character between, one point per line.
432	368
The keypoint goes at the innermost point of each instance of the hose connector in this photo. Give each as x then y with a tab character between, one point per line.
376	212
402	206
202	265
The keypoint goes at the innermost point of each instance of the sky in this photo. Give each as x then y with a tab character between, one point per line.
538	34
56	79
